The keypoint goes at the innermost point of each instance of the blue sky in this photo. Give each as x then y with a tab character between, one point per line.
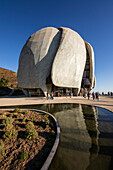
93	20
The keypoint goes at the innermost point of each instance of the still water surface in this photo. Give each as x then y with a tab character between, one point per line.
86	140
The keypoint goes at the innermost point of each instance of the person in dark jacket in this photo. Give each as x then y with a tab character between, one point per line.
93	95
88	95
97	95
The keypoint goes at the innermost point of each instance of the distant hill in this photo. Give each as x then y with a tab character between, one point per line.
10	75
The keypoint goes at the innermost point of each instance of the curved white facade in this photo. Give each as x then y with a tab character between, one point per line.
91	54
69	62
36	58
54	58
88	76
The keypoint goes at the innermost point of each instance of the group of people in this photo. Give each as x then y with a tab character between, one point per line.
51	95
110	93
94	95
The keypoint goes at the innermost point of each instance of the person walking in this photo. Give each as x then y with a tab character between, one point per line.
88	95
52	95
70	94
97	95
47	95
93	95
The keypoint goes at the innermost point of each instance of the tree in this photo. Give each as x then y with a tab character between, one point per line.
4	82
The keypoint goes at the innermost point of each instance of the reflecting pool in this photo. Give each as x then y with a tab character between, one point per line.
86	141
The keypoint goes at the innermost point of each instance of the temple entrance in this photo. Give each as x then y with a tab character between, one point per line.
58	91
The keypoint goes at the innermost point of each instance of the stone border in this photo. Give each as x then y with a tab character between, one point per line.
55	146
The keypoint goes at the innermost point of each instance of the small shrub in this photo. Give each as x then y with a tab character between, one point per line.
7	135
42	113
20	115
14	115
23	155
46	115
17	110
2	116
8	120
38	119
47	126
14	133
1	152
10	134
3	113
46	118
47	122
11	115
29	125
31	134
1	149
24	119
26	112
8	126
32	119
33	116
53	132
1	145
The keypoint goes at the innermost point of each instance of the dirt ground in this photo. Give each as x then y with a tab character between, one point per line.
25	145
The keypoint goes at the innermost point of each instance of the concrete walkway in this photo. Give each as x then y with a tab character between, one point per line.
104	101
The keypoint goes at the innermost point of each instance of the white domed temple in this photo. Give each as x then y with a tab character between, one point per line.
56	60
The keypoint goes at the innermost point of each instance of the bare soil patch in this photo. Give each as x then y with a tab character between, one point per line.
26	138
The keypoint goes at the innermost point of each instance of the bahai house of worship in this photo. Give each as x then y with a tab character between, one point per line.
58	60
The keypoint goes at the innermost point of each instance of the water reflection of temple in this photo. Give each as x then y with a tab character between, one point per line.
79	136
90	116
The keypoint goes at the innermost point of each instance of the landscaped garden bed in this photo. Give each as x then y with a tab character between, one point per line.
26	138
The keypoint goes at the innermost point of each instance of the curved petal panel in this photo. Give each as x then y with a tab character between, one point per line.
69	62
91	64
36	58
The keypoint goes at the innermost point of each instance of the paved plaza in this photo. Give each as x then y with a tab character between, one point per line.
104	101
